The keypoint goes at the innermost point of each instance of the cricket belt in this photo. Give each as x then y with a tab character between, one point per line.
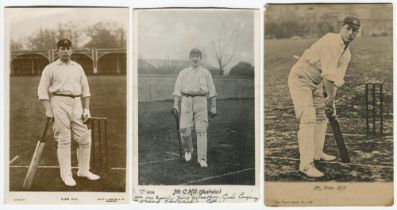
66	95
194	94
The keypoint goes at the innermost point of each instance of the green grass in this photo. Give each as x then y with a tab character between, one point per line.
27	120
372	59
231	146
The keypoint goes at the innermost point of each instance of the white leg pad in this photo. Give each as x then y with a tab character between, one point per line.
321	129
201	146
186	137
306	143
84	154
64	156
189	144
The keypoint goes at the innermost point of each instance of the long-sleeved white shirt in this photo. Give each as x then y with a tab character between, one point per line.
330	57
195	82
63	78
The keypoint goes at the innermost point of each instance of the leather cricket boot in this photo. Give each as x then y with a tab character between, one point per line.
311	171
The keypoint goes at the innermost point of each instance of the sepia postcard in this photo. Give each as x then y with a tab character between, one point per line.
196	128
66	105
328	106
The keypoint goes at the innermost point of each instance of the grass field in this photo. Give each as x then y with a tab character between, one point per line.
372	158
231	147
27	122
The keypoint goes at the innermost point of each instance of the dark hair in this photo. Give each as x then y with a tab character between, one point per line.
352	21
64	43
195	51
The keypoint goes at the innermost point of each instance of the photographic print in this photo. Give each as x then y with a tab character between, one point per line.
328	104
197	131
66	100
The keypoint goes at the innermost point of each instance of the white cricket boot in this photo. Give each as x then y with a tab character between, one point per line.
89	175
327	157
188	156
203	163
311	171
69	181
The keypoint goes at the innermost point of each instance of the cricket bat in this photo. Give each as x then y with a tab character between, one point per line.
27	183
175	113
340	142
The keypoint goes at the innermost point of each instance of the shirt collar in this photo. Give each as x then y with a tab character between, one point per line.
59	62
199	67
341	42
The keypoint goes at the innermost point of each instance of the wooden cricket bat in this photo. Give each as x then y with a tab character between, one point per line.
175	113
340	142
27	183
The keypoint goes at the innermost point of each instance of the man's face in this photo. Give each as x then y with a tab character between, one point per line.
65	53
195	58
348	33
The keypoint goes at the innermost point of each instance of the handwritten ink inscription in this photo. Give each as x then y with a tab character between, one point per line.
193	195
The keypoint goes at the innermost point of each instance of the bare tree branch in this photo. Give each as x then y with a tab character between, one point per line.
223	53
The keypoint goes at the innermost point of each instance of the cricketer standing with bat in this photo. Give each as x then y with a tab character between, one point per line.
193	86
62	85
321	67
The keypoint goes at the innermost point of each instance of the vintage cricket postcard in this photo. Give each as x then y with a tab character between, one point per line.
328	104
196	129
66	105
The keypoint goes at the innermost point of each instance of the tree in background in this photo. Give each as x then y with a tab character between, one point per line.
225	50
106	35
70	31
100	35
242	69
44	39
15	45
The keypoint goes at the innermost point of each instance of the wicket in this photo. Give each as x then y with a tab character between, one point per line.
371	88
99	143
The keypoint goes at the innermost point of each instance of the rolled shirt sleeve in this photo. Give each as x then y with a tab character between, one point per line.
85	88
44	84
178	85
